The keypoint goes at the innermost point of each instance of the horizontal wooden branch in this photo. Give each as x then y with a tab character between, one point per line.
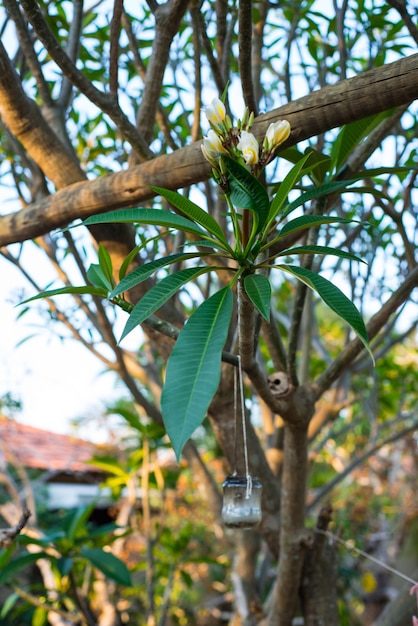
374	91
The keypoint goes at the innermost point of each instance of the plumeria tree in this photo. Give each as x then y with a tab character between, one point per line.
243	242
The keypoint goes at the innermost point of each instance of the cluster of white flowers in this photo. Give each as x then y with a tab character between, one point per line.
239	142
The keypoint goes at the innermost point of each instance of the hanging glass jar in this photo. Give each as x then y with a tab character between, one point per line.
241	502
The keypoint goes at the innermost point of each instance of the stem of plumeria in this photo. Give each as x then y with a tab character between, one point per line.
245	228
235	225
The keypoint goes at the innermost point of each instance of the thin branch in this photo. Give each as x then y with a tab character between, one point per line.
161	116
107	102
195	131
73	45
114	46
400	6
8	535
245	34
167	20
26	43
358	461
216	70
70	618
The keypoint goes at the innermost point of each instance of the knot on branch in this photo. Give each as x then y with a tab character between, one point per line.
280	385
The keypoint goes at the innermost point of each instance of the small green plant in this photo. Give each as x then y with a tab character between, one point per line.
252	246
74	550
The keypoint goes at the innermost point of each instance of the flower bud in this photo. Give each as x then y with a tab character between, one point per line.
212	147
215	112
248	145
276	134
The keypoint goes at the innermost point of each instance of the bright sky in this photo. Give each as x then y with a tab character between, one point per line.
56	382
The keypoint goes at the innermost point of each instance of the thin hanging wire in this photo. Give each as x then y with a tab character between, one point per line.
244	430
235	419
242	402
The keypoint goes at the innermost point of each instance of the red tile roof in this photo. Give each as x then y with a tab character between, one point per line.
42	449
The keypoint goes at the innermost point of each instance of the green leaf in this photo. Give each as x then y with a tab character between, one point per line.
139	274
194	368
247	192
288	183
258	289
85	289
109	565
155	217
9	604
321	250
159	294
108	464
39	617
194	212
317	192
334	298
77	521
128	260
350	136
105	263
20	563
307	221
98	278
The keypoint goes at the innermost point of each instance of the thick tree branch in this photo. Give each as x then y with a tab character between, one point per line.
372	92
25	121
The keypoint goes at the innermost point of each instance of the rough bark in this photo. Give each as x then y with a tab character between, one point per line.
318	596
374	91
294	538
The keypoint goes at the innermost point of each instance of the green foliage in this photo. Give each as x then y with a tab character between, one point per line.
194	368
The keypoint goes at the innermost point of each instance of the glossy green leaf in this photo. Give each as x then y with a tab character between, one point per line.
258	289
194	212
139	274
288	183
83	290
350	136
308	221
194	368
105	263
109	565
77	521
321	250
317	192
98	278
8	604
159	294
155	217
40	616
128	260
20	563
247	192
334	298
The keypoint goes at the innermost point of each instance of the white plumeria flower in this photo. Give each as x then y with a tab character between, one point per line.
215	112
276	134
248	145
212	147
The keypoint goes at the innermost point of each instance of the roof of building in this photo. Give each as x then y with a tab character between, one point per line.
43	450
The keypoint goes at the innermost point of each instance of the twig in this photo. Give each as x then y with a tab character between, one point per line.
7	535
358	461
